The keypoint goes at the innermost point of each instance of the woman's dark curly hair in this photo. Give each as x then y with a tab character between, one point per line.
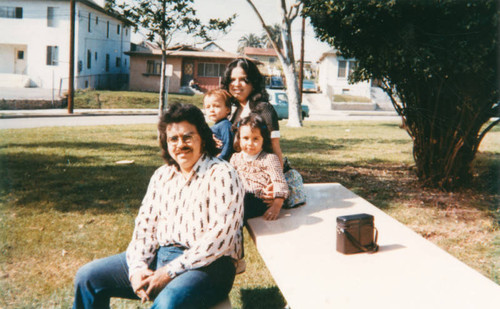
254	77
255	121
178	112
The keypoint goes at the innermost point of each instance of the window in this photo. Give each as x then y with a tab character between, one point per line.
97	20
11	12
346	68
118	62
107	29
95	56
90	17
52	17
211	69
89	59
153	67
126	31
352	66
20	54
52	55
107	62
117	29
342	68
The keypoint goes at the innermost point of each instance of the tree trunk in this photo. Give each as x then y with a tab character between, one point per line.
161	104
294	110
288	62
446	132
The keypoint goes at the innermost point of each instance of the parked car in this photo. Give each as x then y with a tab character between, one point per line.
279	101
309	86
275	82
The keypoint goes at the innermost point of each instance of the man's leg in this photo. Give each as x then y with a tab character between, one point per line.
199	288
99	280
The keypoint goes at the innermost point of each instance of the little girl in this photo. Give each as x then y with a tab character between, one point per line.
258	167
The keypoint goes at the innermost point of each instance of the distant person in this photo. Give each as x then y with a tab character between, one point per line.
259	168
217	105
194	84
187	235
244	81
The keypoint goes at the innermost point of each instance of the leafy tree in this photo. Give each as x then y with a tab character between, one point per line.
163	19
438	61
275	32
288	14
249	40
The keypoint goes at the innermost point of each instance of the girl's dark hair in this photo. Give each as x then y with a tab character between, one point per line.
254	77
178	112
255	122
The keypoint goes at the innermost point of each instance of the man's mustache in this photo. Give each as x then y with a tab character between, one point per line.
185	148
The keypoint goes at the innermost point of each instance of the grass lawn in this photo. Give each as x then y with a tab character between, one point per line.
128	99
64	201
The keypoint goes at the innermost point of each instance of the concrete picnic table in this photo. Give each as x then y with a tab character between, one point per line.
299	250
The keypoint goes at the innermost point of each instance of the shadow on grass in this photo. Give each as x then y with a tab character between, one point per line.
381	182
257	298
323	145
76	183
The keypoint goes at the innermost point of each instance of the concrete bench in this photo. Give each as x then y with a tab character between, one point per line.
299	250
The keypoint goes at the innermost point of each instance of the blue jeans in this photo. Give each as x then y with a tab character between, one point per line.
99	280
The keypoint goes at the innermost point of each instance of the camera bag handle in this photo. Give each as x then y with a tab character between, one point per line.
360	246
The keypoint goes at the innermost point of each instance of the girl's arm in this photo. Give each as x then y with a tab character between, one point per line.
273	211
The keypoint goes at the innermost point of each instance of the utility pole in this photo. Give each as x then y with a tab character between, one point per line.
301	70
71	78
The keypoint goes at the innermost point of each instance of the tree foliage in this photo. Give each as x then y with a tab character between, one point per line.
437	59
163	20
249	40
275	34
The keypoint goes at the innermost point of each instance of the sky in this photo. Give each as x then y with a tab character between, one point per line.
247	22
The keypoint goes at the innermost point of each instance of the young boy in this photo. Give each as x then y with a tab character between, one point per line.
217	104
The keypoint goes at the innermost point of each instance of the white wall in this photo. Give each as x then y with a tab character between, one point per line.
98	40
33	32
331	84
7	58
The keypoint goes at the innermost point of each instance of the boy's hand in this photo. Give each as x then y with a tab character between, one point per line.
273	211
218	142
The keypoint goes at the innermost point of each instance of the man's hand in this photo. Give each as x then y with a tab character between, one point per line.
139	283
273	211
157	282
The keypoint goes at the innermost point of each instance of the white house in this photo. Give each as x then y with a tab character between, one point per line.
34	45
334	71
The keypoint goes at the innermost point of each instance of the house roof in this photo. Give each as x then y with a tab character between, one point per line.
212	46
186	53
99	8
331	52
254	51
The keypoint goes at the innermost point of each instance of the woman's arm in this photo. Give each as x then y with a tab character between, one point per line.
275	142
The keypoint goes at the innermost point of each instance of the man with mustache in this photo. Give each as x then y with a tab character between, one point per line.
187	235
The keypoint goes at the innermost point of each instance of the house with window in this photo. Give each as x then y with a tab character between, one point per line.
333	76
35	40
206	67
269	63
